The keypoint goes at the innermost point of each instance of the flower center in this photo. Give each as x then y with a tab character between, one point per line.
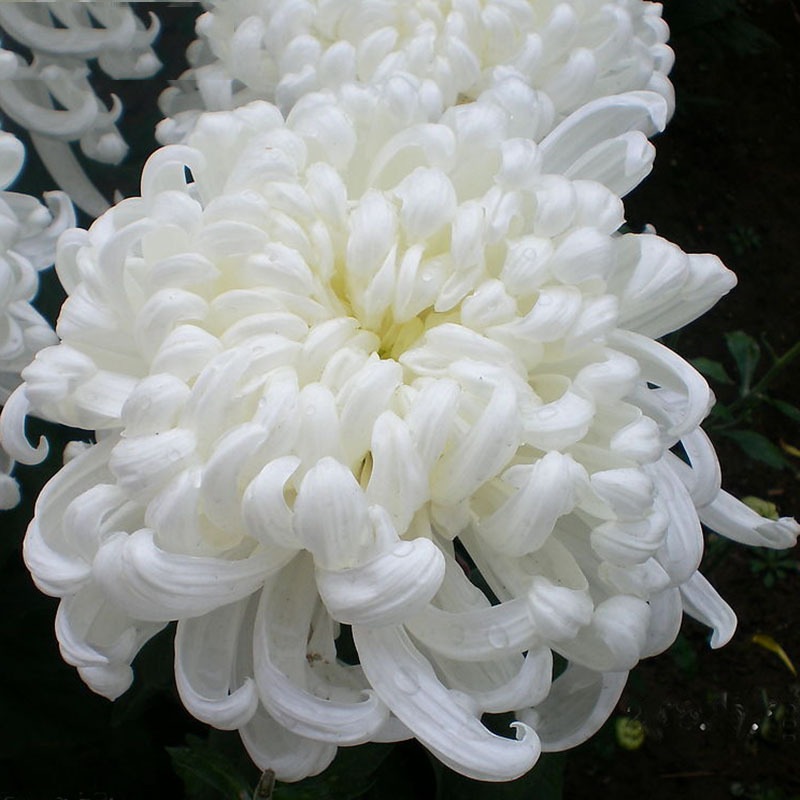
396	338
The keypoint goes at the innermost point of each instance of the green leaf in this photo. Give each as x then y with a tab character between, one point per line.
711	369
543	782
720	414
208	773
683	655
746	353
793	412
350	776
757	447
764	508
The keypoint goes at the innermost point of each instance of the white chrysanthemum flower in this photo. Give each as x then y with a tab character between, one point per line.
52	98
280	50
28	233
343	346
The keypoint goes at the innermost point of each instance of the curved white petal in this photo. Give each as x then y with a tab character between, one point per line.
599	121
665	621
399	481
280	660
527	687
289	756
666	369
480	454
12	424
406	682
330	516
387	590
733	519
547	490
205	649
152	584
479	634
578	704
701	601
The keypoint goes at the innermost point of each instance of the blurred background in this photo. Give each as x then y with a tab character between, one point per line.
697	722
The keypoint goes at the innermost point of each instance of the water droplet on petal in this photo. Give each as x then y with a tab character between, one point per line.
498	637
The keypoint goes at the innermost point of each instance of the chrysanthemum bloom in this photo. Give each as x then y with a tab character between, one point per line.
280	50
28	233
322	357
52	97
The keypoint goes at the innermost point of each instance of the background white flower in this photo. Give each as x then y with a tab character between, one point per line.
353	343
28	233
52	97
280	50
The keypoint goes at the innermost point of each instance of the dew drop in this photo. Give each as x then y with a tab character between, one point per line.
310	411
427	277
498	637
406	680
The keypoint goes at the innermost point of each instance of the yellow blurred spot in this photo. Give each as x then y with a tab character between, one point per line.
790	449
768	643
630	733
762	507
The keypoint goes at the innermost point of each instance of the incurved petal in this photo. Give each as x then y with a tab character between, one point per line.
666	615
289	756
578	704
482	452
667	369
387	590
405	680
682	550
266	514
331	517
12	424
598	121
205	650
701	601
480	634
279	646
60	162
547	490
399	480
733	519
152	584
528	687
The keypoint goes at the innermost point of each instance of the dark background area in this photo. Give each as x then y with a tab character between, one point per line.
716	724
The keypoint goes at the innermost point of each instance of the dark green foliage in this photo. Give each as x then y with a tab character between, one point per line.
733	420
719	25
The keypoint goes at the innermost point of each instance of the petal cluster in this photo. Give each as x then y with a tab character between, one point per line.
333	358
28	233
52	97
280	50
